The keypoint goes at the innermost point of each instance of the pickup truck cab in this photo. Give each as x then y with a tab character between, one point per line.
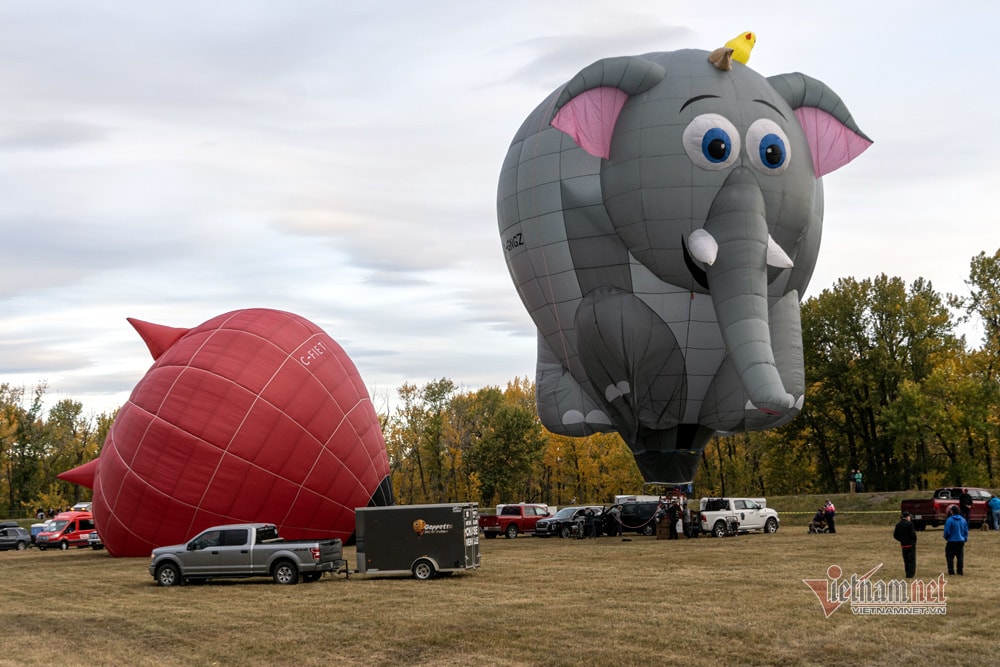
933	511
245	550
67	529
512	520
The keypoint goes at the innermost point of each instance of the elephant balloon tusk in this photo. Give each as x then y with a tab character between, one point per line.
703	246
777	257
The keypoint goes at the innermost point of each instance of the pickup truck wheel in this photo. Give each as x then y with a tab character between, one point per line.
648	530
423	569
64	545
511	532
285	572
310	577
770	526
168	575
719	529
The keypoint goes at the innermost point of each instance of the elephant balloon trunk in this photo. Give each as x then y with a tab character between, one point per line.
737	280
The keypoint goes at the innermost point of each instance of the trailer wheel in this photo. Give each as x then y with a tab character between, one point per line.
511	532
168	575
423	569
770	526
285	573
719	529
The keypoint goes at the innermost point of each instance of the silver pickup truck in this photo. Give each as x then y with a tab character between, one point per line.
245	550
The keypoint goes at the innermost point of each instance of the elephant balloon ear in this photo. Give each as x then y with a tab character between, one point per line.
589	104
834	138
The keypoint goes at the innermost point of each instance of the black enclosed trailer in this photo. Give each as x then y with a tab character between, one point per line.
421	540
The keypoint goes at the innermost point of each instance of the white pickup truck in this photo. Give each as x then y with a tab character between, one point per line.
726	516
245	550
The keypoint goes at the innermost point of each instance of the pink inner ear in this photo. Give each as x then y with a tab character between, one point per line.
590	117
832	144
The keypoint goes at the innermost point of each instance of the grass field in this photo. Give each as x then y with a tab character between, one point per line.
609	601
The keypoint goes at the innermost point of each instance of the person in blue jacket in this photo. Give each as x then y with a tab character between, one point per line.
994	507
956	533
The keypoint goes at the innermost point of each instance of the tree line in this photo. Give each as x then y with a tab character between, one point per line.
892	389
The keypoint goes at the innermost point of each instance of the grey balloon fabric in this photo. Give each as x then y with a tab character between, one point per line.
660	219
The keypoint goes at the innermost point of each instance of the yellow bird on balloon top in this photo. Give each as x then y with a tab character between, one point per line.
738	49
742	45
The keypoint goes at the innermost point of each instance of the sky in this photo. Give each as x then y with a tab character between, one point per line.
339	160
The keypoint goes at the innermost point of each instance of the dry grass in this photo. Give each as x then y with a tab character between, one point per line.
534	602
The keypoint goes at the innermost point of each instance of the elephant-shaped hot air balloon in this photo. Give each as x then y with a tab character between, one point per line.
254	415
660	216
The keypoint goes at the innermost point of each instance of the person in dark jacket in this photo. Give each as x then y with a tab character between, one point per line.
965	503
956	533
906	535
673	514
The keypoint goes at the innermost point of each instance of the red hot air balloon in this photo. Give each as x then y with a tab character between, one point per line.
255	415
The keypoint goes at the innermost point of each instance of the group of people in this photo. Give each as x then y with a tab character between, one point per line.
854	479
824	521
667	515
956	534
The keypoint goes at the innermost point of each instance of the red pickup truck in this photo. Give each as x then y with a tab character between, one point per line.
934	511
512	520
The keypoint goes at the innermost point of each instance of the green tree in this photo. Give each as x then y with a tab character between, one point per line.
862	342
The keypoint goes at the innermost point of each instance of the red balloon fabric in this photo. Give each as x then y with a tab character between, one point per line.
255	415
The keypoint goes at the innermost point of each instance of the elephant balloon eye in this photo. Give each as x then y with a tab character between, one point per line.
711	141
767	147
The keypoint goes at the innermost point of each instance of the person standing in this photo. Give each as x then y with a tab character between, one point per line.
906	535
956	534
852	479
965	504
615	521
858	486
994	507
830	511
673	514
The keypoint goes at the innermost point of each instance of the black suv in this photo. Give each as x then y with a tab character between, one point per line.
13	536
635	517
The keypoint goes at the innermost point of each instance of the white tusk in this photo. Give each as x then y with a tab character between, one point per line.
776	257
703	246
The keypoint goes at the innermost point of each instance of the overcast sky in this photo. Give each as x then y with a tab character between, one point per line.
173	161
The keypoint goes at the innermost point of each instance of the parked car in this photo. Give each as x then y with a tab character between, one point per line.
933	511
727	516
95	541
511	520
636	517
569	521
67	529
37	528
14	537
245	550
